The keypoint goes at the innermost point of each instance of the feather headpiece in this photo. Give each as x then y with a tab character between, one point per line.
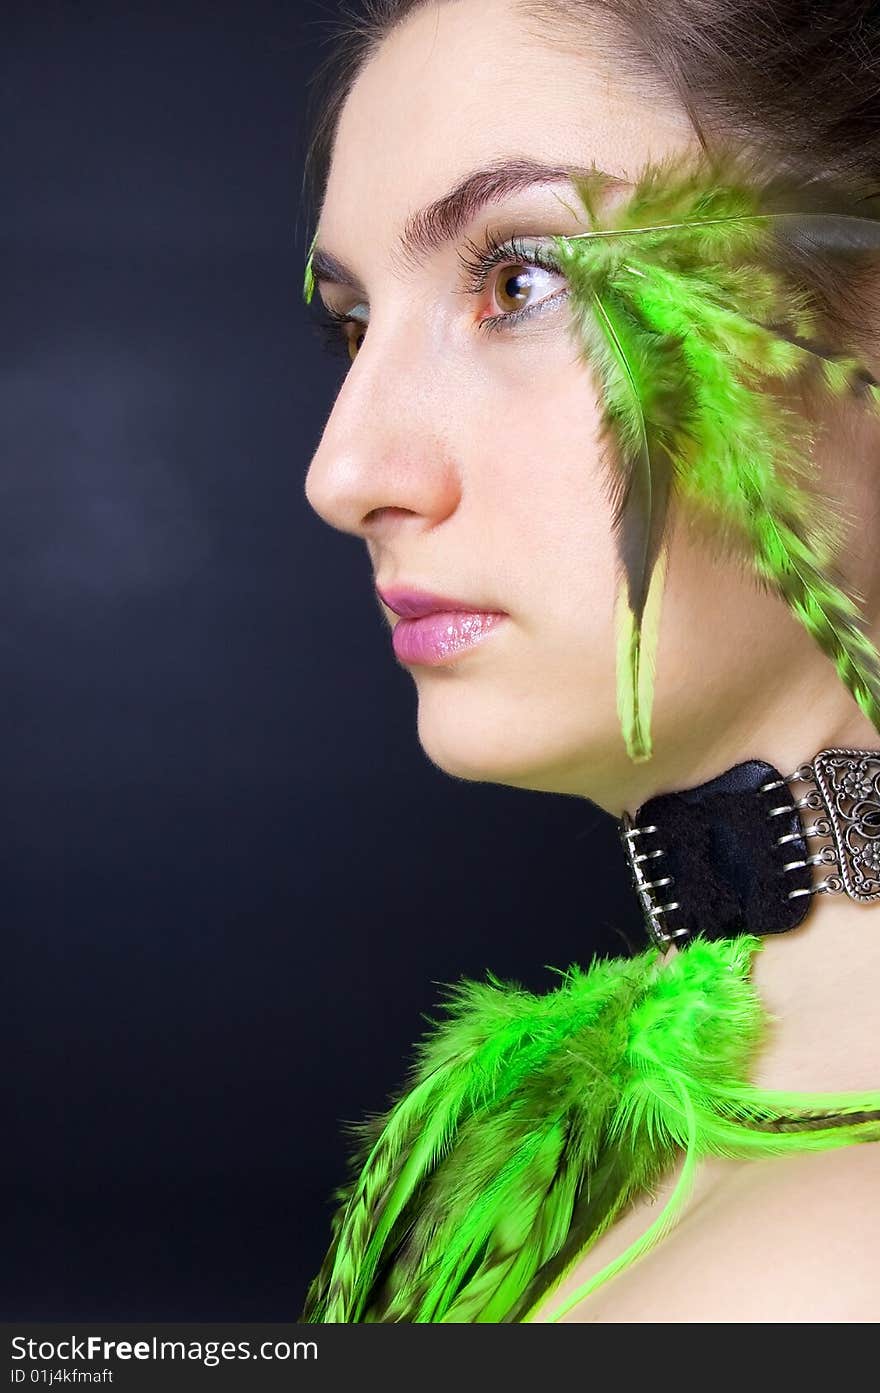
712	286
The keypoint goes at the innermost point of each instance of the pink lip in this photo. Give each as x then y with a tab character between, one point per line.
414	604
439	638
435	629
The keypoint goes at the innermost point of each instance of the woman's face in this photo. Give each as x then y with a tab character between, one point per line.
468	459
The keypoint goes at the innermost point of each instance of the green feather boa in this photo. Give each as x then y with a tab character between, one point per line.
530	1121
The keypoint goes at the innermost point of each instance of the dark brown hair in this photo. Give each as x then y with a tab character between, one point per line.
797	78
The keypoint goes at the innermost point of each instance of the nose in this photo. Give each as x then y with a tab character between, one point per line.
386	458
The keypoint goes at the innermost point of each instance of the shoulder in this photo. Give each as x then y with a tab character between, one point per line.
786	1239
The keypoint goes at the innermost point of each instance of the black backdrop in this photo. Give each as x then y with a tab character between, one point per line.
231	879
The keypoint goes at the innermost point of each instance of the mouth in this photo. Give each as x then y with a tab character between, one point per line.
410	603
435	629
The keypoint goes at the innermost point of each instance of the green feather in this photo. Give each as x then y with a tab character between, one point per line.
530	1121
694	302
308	274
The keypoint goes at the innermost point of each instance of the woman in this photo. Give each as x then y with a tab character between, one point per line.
464	448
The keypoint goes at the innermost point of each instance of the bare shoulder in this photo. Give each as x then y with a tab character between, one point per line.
786	1239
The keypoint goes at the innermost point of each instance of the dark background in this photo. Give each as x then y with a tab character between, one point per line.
231	879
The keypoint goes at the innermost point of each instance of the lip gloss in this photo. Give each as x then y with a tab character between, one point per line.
439	638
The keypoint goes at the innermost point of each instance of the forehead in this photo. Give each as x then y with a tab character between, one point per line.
462	83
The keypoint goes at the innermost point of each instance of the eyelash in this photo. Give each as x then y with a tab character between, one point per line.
478	266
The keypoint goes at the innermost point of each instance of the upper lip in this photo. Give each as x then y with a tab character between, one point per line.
410	603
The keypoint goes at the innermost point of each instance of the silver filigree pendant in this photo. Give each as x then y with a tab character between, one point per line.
849	782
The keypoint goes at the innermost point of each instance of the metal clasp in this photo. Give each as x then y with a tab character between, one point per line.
660	932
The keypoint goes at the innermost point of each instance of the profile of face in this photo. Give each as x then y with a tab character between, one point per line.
464	443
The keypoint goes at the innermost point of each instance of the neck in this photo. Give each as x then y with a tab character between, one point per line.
820	982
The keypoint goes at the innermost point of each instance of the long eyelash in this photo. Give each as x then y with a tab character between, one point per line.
329	324
494	253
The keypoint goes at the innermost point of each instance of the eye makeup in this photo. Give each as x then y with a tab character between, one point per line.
480	257
477	262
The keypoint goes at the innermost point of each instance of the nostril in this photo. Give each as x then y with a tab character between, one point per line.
379	514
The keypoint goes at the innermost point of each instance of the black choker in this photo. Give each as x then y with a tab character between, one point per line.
731	856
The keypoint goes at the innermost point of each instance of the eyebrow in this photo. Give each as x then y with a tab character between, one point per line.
442	221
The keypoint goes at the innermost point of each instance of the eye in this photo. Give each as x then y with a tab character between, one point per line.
336	331
515	290
523	266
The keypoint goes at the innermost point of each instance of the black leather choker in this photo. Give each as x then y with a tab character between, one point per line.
731	856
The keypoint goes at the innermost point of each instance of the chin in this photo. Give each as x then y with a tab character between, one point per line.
476	751
509	746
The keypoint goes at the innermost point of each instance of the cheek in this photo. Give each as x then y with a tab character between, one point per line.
724	636
550	527
558	517
541	514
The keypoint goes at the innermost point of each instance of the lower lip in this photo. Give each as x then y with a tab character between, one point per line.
440	638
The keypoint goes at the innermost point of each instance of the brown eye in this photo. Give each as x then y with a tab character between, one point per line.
336	330
513	288
511	268
355	338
